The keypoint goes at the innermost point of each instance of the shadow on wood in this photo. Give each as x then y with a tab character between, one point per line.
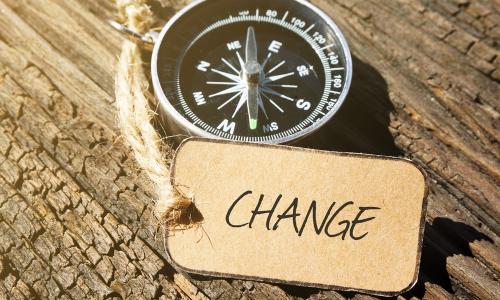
362	124
456	236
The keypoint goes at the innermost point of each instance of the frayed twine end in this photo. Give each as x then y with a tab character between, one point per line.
183	215
177	210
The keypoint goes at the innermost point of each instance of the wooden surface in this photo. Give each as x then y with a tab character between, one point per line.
76	212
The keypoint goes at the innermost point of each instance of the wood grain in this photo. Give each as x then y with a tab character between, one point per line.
75	210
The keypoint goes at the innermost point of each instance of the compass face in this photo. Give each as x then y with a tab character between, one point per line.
251	70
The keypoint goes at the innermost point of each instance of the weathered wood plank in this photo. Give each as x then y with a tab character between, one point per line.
472	279
487	253
433	291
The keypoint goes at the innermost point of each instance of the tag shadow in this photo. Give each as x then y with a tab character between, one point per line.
362	123
442	239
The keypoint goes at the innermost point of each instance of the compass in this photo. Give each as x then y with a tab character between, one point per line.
251	70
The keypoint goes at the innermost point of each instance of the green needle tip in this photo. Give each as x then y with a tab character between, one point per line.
253	124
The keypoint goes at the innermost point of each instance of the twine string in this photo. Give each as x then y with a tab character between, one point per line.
174	209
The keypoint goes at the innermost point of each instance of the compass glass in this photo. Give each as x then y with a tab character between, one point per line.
258	71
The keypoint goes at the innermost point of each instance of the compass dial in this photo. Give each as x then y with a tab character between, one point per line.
257	71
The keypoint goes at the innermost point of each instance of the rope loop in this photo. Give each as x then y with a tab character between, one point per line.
175	210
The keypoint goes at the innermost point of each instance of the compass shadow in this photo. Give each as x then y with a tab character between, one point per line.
362	123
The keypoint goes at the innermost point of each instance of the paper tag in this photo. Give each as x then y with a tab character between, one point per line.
303	217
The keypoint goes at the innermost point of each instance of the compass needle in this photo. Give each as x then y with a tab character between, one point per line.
251	46
253	105
252	73
255	71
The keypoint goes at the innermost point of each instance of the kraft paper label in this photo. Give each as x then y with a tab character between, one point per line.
304	217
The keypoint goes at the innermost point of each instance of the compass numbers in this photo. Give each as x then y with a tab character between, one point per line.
271	13
331	104
337	81
333	58
319	38
298	22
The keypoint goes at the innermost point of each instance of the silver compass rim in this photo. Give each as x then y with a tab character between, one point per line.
169	110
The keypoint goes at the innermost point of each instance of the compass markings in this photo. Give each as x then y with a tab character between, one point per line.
286	86
286	97
274	104
277	106
228	101
234	45
226	126
203	66
230	65
261	105
221	83
276	67
230	90
267	60
278	77
310	27
273	92
275	46
285	16
227	75
243	100
326	47
242	62
304	35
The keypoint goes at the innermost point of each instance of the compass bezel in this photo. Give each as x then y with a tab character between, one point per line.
170	112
